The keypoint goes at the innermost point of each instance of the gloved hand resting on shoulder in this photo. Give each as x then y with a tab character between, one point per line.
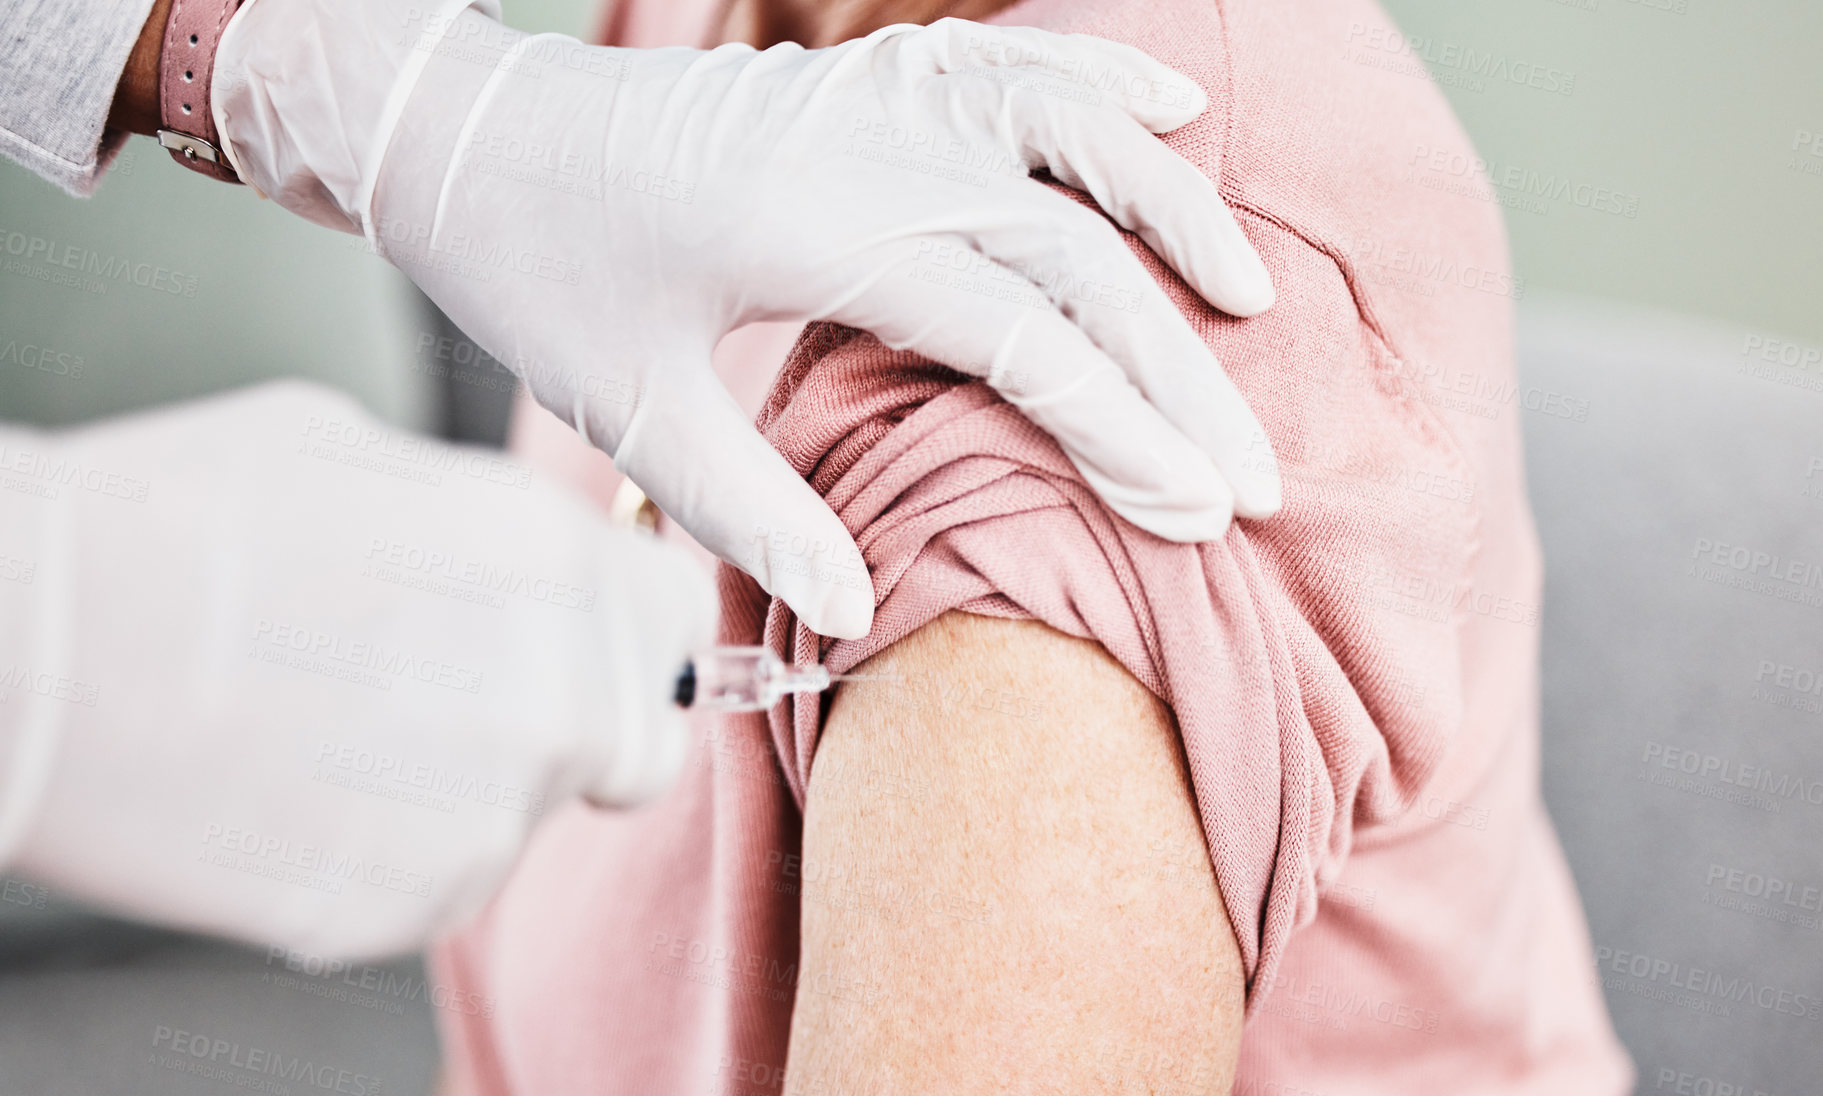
598	218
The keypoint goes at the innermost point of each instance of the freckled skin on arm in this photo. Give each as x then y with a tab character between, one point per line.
1006	885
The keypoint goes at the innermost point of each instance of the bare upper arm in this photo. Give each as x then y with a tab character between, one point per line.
1008	897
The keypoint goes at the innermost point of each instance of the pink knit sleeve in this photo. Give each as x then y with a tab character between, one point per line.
1265	644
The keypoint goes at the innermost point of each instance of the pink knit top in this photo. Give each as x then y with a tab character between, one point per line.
1354	679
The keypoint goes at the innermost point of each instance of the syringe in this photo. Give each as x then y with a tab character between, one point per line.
750	679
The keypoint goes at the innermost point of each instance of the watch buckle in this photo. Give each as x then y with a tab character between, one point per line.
190	148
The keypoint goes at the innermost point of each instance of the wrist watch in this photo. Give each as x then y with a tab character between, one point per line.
186	123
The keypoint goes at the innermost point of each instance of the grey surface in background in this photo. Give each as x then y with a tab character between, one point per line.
472	393
1690	438
93	1007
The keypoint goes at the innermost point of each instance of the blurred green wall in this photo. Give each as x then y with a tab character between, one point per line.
1691	106
261	294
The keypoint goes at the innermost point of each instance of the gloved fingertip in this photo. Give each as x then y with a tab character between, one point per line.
1196	99
1254	295
1157	96
841	614
1180	101
1231	275
1183	526
1253	475
1159	119
1259	500
1196	508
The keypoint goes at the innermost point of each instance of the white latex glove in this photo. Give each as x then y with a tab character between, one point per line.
598	218
284	674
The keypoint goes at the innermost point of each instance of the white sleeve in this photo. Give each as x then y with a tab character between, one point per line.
60	61
33	647
286	674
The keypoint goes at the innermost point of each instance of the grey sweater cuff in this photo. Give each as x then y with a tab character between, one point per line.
60	61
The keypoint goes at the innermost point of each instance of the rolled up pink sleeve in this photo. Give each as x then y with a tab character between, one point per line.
1286	685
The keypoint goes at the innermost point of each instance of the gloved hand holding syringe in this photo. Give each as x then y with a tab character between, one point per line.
751	679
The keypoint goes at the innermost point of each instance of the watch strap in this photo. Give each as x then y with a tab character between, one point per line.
185	67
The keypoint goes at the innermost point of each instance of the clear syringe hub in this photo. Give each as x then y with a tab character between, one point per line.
743	679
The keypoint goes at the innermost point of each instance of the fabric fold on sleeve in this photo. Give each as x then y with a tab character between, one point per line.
958	502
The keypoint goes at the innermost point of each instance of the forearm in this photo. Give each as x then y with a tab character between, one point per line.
135	108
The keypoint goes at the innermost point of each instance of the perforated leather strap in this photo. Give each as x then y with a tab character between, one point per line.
184	71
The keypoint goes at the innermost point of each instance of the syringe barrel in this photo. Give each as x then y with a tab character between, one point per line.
736	679
744	679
